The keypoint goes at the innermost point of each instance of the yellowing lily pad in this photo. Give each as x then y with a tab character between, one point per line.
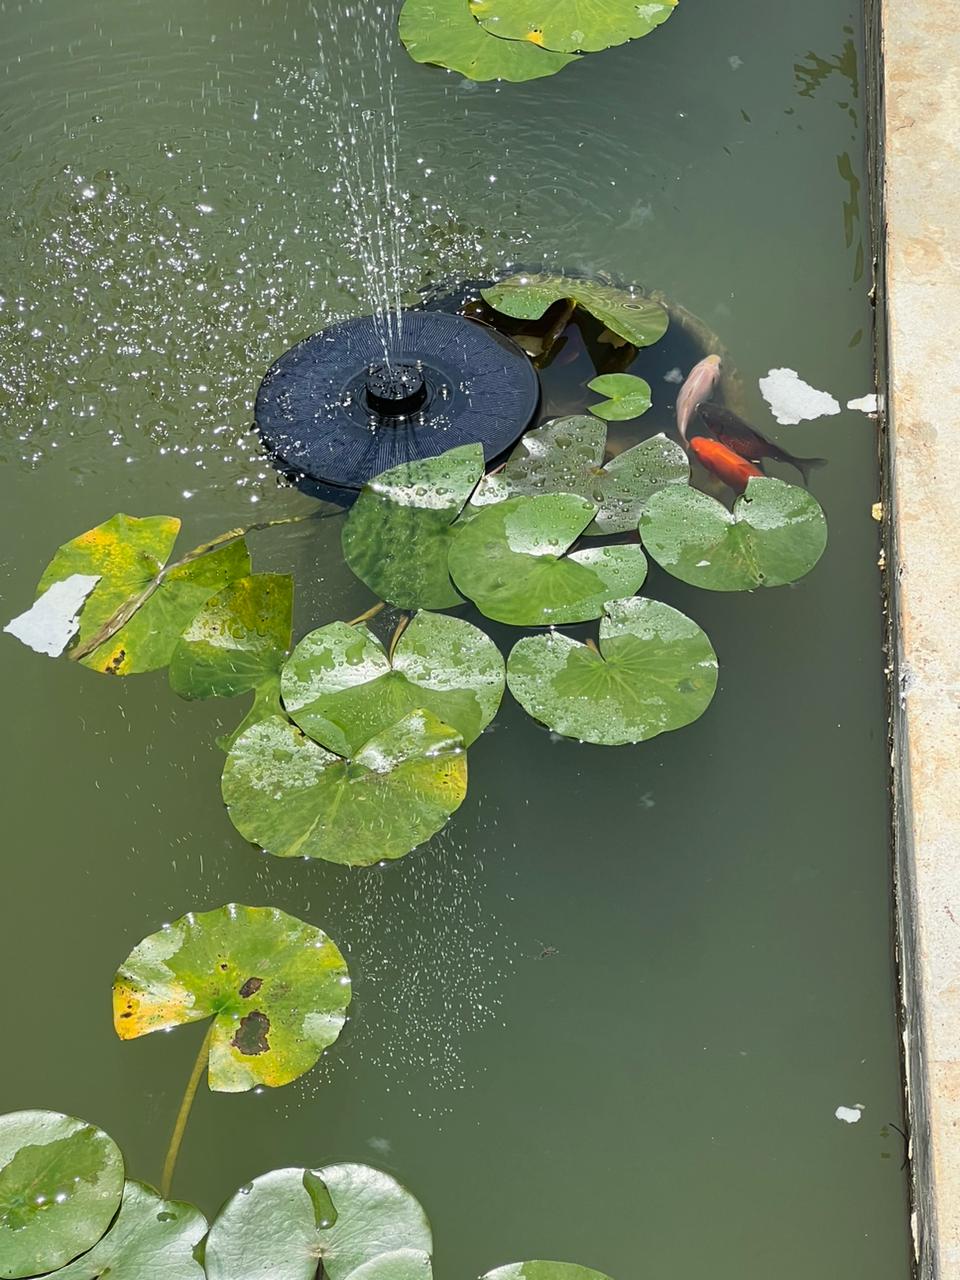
358	1222
342	688
571	25
444	32
138	608
775	534
627	313
510	560
566	456
277	989
295	799
655	670
398	532
60	1185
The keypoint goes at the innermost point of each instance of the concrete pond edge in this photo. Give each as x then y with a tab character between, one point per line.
914	79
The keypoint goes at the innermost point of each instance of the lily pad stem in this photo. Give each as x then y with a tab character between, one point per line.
591	645
556	329
370	613
398	632
183	1115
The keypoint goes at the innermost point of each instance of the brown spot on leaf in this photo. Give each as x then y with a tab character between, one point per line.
251	1037
251	987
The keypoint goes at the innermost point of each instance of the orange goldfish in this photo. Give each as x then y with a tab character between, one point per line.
723	462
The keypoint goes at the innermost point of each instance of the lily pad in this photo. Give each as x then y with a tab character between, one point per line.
151	1239
296	799
631	316
237	643
629	396
144	616
544	1271
509	559
360	1223
571	25
655	670
566	456
776	533
397	534
444	32
342	688
60	1185
277	989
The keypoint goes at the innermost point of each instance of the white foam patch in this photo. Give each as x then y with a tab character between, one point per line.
52	622
866	404
792	400
850	1115
674	375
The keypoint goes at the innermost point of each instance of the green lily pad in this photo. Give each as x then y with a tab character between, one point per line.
571	25
341	687
776	533
631	316
60	1185
237	643
397	534
544	1271
566	456
277	989
509	559
444	32
296	799
357	1221
629	396
151	1239
655	670
127	554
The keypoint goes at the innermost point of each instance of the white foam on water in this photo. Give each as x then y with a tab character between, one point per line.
850	1115
865	404
51	622
792	400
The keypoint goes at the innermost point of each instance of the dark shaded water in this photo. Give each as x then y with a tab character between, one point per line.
657	1093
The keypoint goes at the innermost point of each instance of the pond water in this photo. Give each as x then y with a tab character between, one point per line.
609	1013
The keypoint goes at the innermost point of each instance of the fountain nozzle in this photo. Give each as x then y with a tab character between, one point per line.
395	392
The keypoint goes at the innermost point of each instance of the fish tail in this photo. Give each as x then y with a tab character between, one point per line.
806	465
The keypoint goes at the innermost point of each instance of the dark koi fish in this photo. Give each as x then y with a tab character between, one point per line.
723	462
741	438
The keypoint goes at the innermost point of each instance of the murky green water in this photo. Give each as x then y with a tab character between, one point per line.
656	1093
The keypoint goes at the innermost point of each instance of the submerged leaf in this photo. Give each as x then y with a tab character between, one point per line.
444	32
776	533
295	799
360	1223
60	1184
277	989
632	316
509	559
544	1271
341	687
629	396
655	670
237	643
53	620
566	456
151	1239
571	25
397	534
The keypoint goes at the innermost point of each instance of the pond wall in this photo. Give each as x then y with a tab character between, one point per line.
916	192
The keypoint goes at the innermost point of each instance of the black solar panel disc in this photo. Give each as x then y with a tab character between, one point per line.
331	409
